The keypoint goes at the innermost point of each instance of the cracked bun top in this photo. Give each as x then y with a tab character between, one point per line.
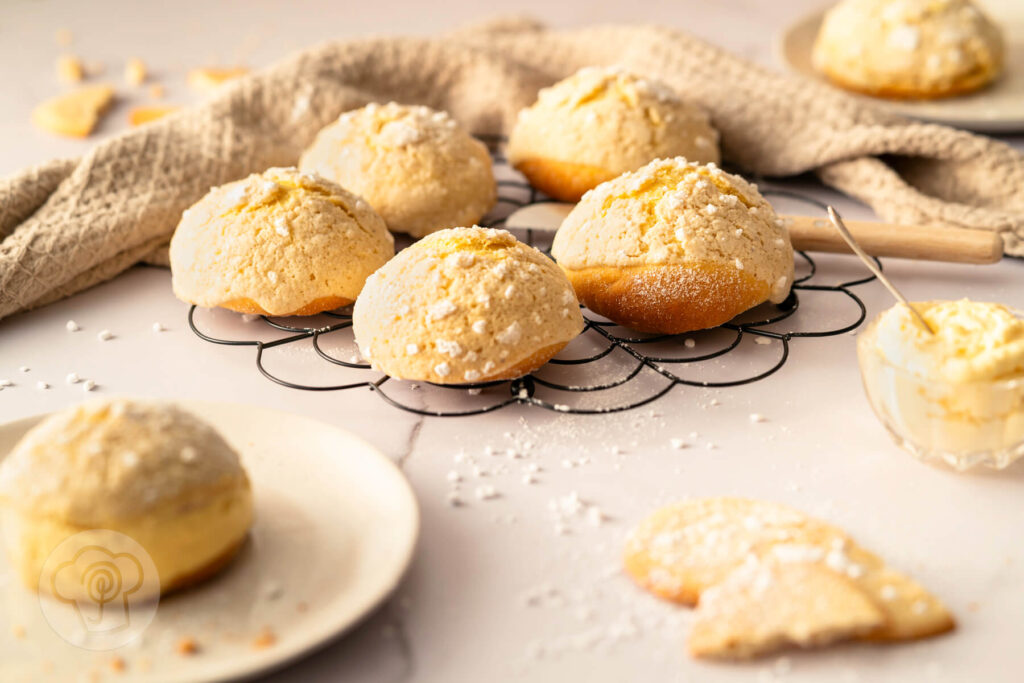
282	240
465	305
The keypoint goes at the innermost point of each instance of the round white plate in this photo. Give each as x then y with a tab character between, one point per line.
996	109
336	525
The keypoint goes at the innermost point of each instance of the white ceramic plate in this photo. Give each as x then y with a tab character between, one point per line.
996	109
336	525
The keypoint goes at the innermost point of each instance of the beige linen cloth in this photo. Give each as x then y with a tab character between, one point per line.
69	224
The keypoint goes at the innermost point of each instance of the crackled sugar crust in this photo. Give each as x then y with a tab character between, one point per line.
911	48
417	167
277	243
465	305
675	246
600	123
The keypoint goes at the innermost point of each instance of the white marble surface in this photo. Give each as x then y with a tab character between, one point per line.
466	610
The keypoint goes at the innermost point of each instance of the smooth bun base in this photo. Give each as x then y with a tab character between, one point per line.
562	180
667	299
910	91
187	548
327	303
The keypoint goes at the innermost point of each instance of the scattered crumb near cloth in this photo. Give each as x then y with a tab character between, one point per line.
70	69
208	78
135	71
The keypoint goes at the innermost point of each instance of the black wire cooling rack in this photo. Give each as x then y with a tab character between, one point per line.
607	369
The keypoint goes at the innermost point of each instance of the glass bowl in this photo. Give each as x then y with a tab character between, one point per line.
961	424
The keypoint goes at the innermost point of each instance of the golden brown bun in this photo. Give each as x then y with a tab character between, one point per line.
667	299
562	180
967	84
601	122
920	49
327	303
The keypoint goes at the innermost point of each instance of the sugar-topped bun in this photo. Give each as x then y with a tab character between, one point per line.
673	247
600	123
908	48
277	243
150	471
465	305
417	167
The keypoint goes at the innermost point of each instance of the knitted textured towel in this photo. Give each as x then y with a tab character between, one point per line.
69	224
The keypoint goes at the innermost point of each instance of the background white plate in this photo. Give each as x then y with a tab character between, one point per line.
996	109
336	524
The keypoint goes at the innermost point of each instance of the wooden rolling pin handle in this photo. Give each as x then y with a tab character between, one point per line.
954	245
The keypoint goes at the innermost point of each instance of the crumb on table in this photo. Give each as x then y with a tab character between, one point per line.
265	639
187	646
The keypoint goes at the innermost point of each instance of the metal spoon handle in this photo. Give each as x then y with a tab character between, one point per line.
873	267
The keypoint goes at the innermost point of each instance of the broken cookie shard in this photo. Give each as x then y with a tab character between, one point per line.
74	114
141	115
762	607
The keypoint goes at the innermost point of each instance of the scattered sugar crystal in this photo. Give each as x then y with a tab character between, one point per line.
105	335
715	402
188	454
281	226
512	334
905	37
238	195
594	516
42	385
528	479
677	443
739	232
888	592
710	209
762	340
412	349
486	492
510	291
471	375
739	264
441	309
449	347
711	445
72	326
480	326
560	407
689	343
757	417
443	369
72	378
159	327
453	476
272	276
88	385
6	383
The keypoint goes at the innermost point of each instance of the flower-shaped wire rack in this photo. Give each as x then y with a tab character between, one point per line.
607	369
